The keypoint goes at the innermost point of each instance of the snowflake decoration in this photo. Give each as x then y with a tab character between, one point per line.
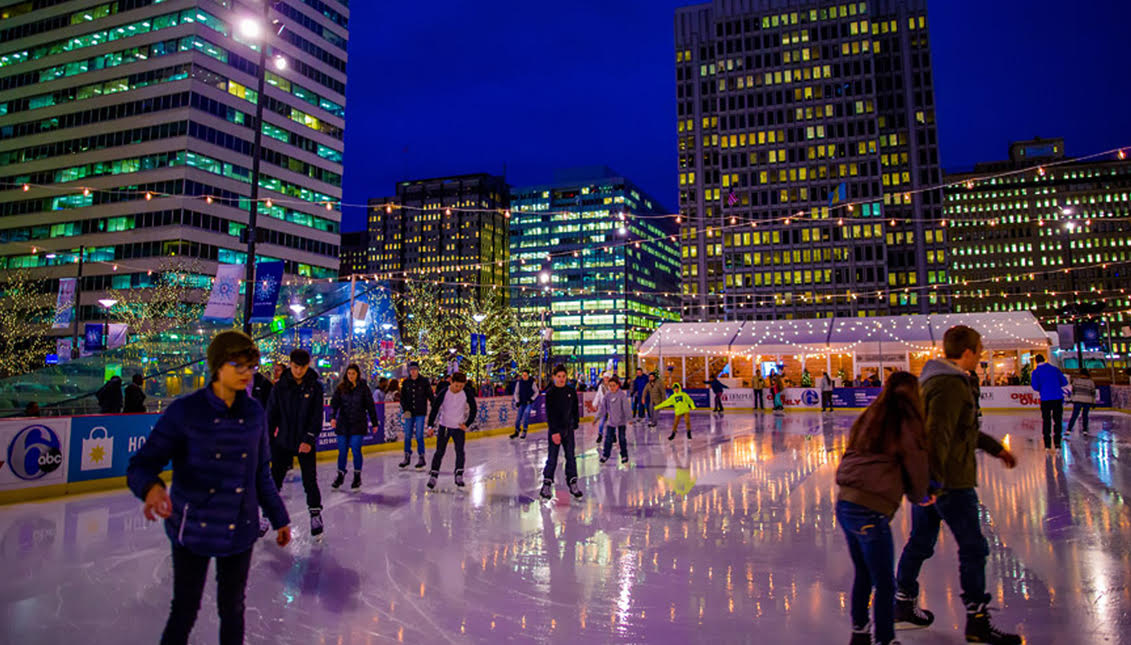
266	287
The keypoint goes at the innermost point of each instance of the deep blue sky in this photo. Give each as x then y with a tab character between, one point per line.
460	86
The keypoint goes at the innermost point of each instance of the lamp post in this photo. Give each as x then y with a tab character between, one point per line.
252	29
297	309
1069	228
544	279
107	303
75	352
479	318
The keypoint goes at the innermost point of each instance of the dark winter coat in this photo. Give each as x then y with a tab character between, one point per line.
353	409
561	409
416	394
717	386
638	385
445	392
525	391
952	426
110	396
135	400
261	387
221	472
879	480
294	411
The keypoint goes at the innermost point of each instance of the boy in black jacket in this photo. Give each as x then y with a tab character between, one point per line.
562	419
454	411
294	420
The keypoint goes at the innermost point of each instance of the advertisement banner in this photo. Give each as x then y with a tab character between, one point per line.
92	340
268	281
64	304
101	445
34	452
225	294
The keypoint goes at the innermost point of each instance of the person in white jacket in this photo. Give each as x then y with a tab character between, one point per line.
602	390
1083	398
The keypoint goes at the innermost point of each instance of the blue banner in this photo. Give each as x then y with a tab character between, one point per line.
92	341
474	344
855	397
306	338
101	446
268	281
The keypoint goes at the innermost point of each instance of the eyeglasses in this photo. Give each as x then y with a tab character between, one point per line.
244	368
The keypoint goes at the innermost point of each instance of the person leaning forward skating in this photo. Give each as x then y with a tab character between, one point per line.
452	414
562	420
682	404
217	440
952	438
294	420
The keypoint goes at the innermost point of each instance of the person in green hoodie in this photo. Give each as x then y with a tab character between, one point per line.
953	437
681	402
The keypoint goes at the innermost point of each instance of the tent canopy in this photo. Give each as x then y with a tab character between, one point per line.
1008	330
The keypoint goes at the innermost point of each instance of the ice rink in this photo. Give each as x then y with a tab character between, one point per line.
728	539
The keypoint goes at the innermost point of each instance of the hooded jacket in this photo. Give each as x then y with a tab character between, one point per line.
879	480
221	472
352	408
294	411
416	394
615	409
951	430
680	401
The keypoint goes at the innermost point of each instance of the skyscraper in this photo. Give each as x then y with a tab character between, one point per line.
611	280
789	112
451	231
128	128
1042	232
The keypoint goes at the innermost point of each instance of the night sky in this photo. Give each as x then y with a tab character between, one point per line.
458	86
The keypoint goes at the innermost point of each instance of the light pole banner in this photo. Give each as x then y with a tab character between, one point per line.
64	304
268	281
225	294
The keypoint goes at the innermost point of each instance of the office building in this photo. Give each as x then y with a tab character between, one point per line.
1041	232
128	128
450	231
611	279
789	112
356	254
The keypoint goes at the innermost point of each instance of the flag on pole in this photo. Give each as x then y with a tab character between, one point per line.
225	294
268	280
839	194
64	304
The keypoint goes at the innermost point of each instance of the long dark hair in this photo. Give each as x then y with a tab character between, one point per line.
345	384
880	425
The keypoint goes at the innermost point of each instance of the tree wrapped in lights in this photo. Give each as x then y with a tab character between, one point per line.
25	323
161	316
430	328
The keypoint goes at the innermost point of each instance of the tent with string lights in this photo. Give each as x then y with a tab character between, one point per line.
848	347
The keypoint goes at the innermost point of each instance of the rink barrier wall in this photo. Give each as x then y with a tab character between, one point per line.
46	457
1020	397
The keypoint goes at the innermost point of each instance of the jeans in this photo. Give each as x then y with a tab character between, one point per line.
282	461
458	437
651	409
826	401
414	425
1052	420
189	574
380	422
522	421
868	534
759	401
552	457
718	403
345	444
618	432
1079	409
959	509
637	406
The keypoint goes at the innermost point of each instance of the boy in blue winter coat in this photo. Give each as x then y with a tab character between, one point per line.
1049	382
216	438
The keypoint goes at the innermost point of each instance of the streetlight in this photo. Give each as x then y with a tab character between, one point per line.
297	309
1070	226
252	29
107	303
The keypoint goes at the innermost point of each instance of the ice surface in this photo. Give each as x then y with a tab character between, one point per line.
729	540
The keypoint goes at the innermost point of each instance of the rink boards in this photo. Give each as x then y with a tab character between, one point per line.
997	397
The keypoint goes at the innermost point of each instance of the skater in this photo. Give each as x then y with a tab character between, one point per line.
759	387
826	384
1049	382
654	394
638	385
952	438
222	420
602	390
525	393
379	405
681	402
135	396
613	414
416	395
351	408
294	420
453	412
885	460
261	387
777	388
562	420
1083	398
717	388
110	396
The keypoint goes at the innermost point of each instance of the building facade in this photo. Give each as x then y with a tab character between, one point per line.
601	282
789	112
356	254
450	231
127	128
1041	232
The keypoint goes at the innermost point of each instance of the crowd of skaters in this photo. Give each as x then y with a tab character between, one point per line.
232	443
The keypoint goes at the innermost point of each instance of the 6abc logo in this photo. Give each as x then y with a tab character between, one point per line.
35	452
